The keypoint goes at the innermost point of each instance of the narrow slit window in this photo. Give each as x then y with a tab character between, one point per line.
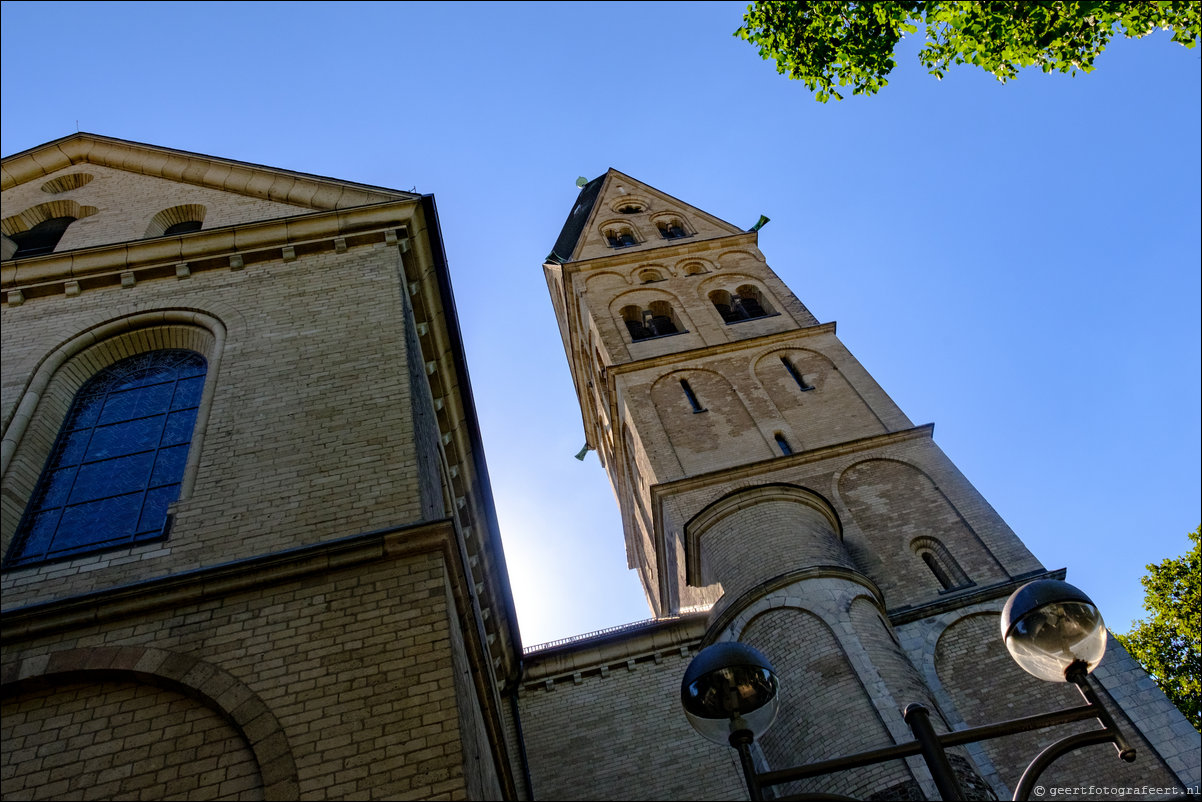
783	443
797	377
689	394
937	570
942	564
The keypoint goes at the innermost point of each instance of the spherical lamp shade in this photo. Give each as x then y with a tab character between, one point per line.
1050	626
729	687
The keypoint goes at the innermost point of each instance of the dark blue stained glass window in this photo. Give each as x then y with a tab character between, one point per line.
118	461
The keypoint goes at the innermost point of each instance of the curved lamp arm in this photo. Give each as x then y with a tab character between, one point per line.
1055	751
1109	733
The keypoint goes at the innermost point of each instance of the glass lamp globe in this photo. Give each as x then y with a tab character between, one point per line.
1050	626
729	687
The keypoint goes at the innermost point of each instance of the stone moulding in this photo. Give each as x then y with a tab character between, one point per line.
727	613
189	587
268	183
206	249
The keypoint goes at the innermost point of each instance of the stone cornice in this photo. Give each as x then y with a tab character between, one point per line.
219	581
774	464
621	648
244	178
231	246
23	624
669	249
969	596
678	357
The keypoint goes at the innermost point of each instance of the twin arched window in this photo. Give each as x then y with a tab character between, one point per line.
118	461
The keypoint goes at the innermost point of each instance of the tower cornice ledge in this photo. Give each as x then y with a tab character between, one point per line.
588	654
724	475
661	250
720	348
964	597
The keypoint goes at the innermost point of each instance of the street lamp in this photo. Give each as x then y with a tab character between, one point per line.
1051	629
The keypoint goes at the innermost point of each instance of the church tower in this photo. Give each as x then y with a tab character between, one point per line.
701	374
764	476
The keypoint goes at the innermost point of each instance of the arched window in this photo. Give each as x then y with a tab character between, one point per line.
177	220
655	321
797	377
183	228
671	228
750	302
620	237
661	321
747	303
42	238
118	461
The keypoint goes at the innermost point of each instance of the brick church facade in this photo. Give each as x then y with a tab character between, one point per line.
250	550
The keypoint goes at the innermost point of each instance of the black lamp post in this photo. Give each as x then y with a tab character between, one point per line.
1051	629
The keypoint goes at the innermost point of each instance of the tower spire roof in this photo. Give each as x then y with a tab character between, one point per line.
569	235
615	201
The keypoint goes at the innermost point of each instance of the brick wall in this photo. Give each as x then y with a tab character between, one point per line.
122	739
356	665
617	731
820	694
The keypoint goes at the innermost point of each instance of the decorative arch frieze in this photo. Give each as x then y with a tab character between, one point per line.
66	183
209	683
27	219
602	277
187	213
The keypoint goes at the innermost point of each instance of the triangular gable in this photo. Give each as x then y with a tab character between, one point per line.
123	191
252	180
615	201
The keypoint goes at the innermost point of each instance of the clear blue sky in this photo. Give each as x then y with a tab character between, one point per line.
1018	263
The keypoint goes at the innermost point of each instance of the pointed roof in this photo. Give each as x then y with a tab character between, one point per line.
574	227
256	180
600	200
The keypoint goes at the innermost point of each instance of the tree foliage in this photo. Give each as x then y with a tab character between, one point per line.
828	45
1168	643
